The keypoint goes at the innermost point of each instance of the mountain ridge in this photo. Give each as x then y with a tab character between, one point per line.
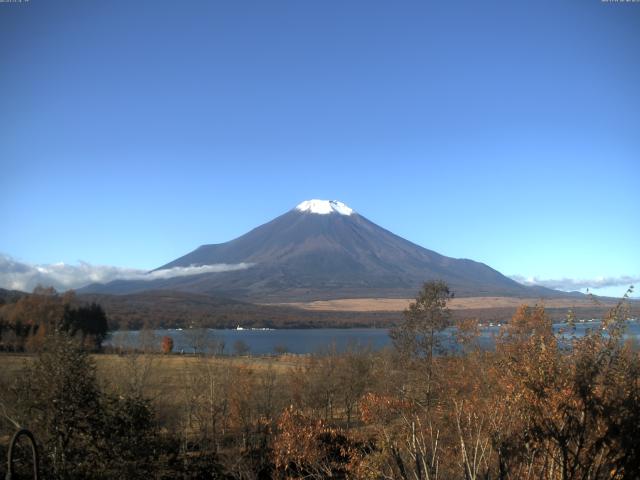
321	250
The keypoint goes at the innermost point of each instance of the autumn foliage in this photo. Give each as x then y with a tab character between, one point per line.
305	447
167	344
542	404
26	323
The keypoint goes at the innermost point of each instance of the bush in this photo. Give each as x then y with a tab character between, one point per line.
167	344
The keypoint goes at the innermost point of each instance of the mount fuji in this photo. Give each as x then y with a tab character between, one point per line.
322	250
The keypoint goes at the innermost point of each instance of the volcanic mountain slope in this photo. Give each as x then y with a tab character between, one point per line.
325	250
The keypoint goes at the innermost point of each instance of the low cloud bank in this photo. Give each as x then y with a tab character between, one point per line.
572	284
15	275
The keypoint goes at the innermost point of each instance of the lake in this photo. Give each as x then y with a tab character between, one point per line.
300	341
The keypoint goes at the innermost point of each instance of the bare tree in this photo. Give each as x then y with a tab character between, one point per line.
196	338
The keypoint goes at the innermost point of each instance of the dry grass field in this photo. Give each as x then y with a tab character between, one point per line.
399	304
175	384
156	374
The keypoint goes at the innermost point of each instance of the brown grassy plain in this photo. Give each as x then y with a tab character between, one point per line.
399	304
162	373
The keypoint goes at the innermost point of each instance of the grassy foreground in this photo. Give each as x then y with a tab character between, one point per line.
157	373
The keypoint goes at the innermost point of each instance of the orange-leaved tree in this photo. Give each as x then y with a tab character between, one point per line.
167	344
575	400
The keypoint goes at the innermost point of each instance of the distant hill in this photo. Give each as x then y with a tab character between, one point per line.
173	309
323	250
10	296
166	309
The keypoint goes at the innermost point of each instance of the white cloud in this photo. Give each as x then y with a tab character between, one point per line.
15	275
194	270
572	284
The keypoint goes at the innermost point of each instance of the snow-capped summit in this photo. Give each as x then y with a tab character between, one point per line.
324	207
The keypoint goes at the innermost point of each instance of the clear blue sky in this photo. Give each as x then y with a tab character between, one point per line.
503	131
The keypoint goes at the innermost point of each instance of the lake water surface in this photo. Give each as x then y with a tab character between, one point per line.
300	341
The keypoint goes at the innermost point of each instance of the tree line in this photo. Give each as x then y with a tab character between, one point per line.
25	323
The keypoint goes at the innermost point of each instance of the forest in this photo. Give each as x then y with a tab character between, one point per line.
538	406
